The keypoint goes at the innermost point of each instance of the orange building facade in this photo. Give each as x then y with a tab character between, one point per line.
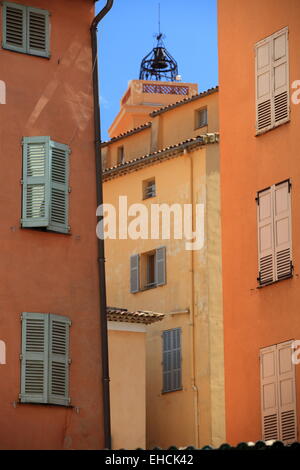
50	385
259	64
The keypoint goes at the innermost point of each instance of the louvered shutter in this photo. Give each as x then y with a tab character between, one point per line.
269	395
176	359
160	266
167	361
282	230
14	27
263	85
265	237
134	273
59	360
172	360
36	188
34	358
286	393
38	32
59	187
281	77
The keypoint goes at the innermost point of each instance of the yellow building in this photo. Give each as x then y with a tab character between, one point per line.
171	157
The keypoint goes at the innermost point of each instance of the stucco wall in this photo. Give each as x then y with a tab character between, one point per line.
43	271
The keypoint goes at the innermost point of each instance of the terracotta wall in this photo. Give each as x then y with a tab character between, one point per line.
43	271
254	318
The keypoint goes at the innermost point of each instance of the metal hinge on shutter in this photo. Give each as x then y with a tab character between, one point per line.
69	361
259	277
257	200
21	357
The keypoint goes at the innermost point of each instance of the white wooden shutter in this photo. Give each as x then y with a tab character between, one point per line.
34	358
59	360
14	27
38	32
280	66
282	230
134	273
160	266
269	394
263	63
266	260
36	188
286	393
59	184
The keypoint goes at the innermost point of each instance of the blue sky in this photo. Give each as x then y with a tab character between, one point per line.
126	35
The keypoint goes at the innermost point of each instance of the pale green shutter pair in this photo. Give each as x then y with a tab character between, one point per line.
45	184
26	29
45	359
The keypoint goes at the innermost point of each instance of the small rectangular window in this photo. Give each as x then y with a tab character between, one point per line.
121	156
26	29
148	270
45	359
45	184
172	375
200	118
149	188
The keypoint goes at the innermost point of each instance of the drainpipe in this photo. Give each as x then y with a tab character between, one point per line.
101	258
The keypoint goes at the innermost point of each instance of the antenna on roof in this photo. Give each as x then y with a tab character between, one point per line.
159	19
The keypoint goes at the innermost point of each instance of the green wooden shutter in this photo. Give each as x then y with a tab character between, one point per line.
160	266
59	360
36	187
34	358
38	31
14	27
134	273
59	192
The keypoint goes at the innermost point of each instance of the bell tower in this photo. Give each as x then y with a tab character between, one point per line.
159	64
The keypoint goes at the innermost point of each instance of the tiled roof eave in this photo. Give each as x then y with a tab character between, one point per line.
160	155
139	316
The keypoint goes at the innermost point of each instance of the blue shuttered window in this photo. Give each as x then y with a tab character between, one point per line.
45	359
45	184
172	377
26	29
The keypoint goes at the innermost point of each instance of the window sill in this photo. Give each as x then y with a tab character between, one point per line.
43	404
268	129
290	276
152	286
164	392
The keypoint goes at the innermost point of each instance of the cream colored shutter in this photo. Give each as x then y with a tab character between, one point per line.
269	397
34	358
280	72
59	360
263	62
265	236
282	230
286	393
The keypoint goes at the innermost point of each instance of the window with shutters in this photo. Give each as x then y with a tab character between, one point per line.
120	155
149	188
278	393
272	81
200	118
45	359
148	270
274	233
172	377
45	184
26	29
